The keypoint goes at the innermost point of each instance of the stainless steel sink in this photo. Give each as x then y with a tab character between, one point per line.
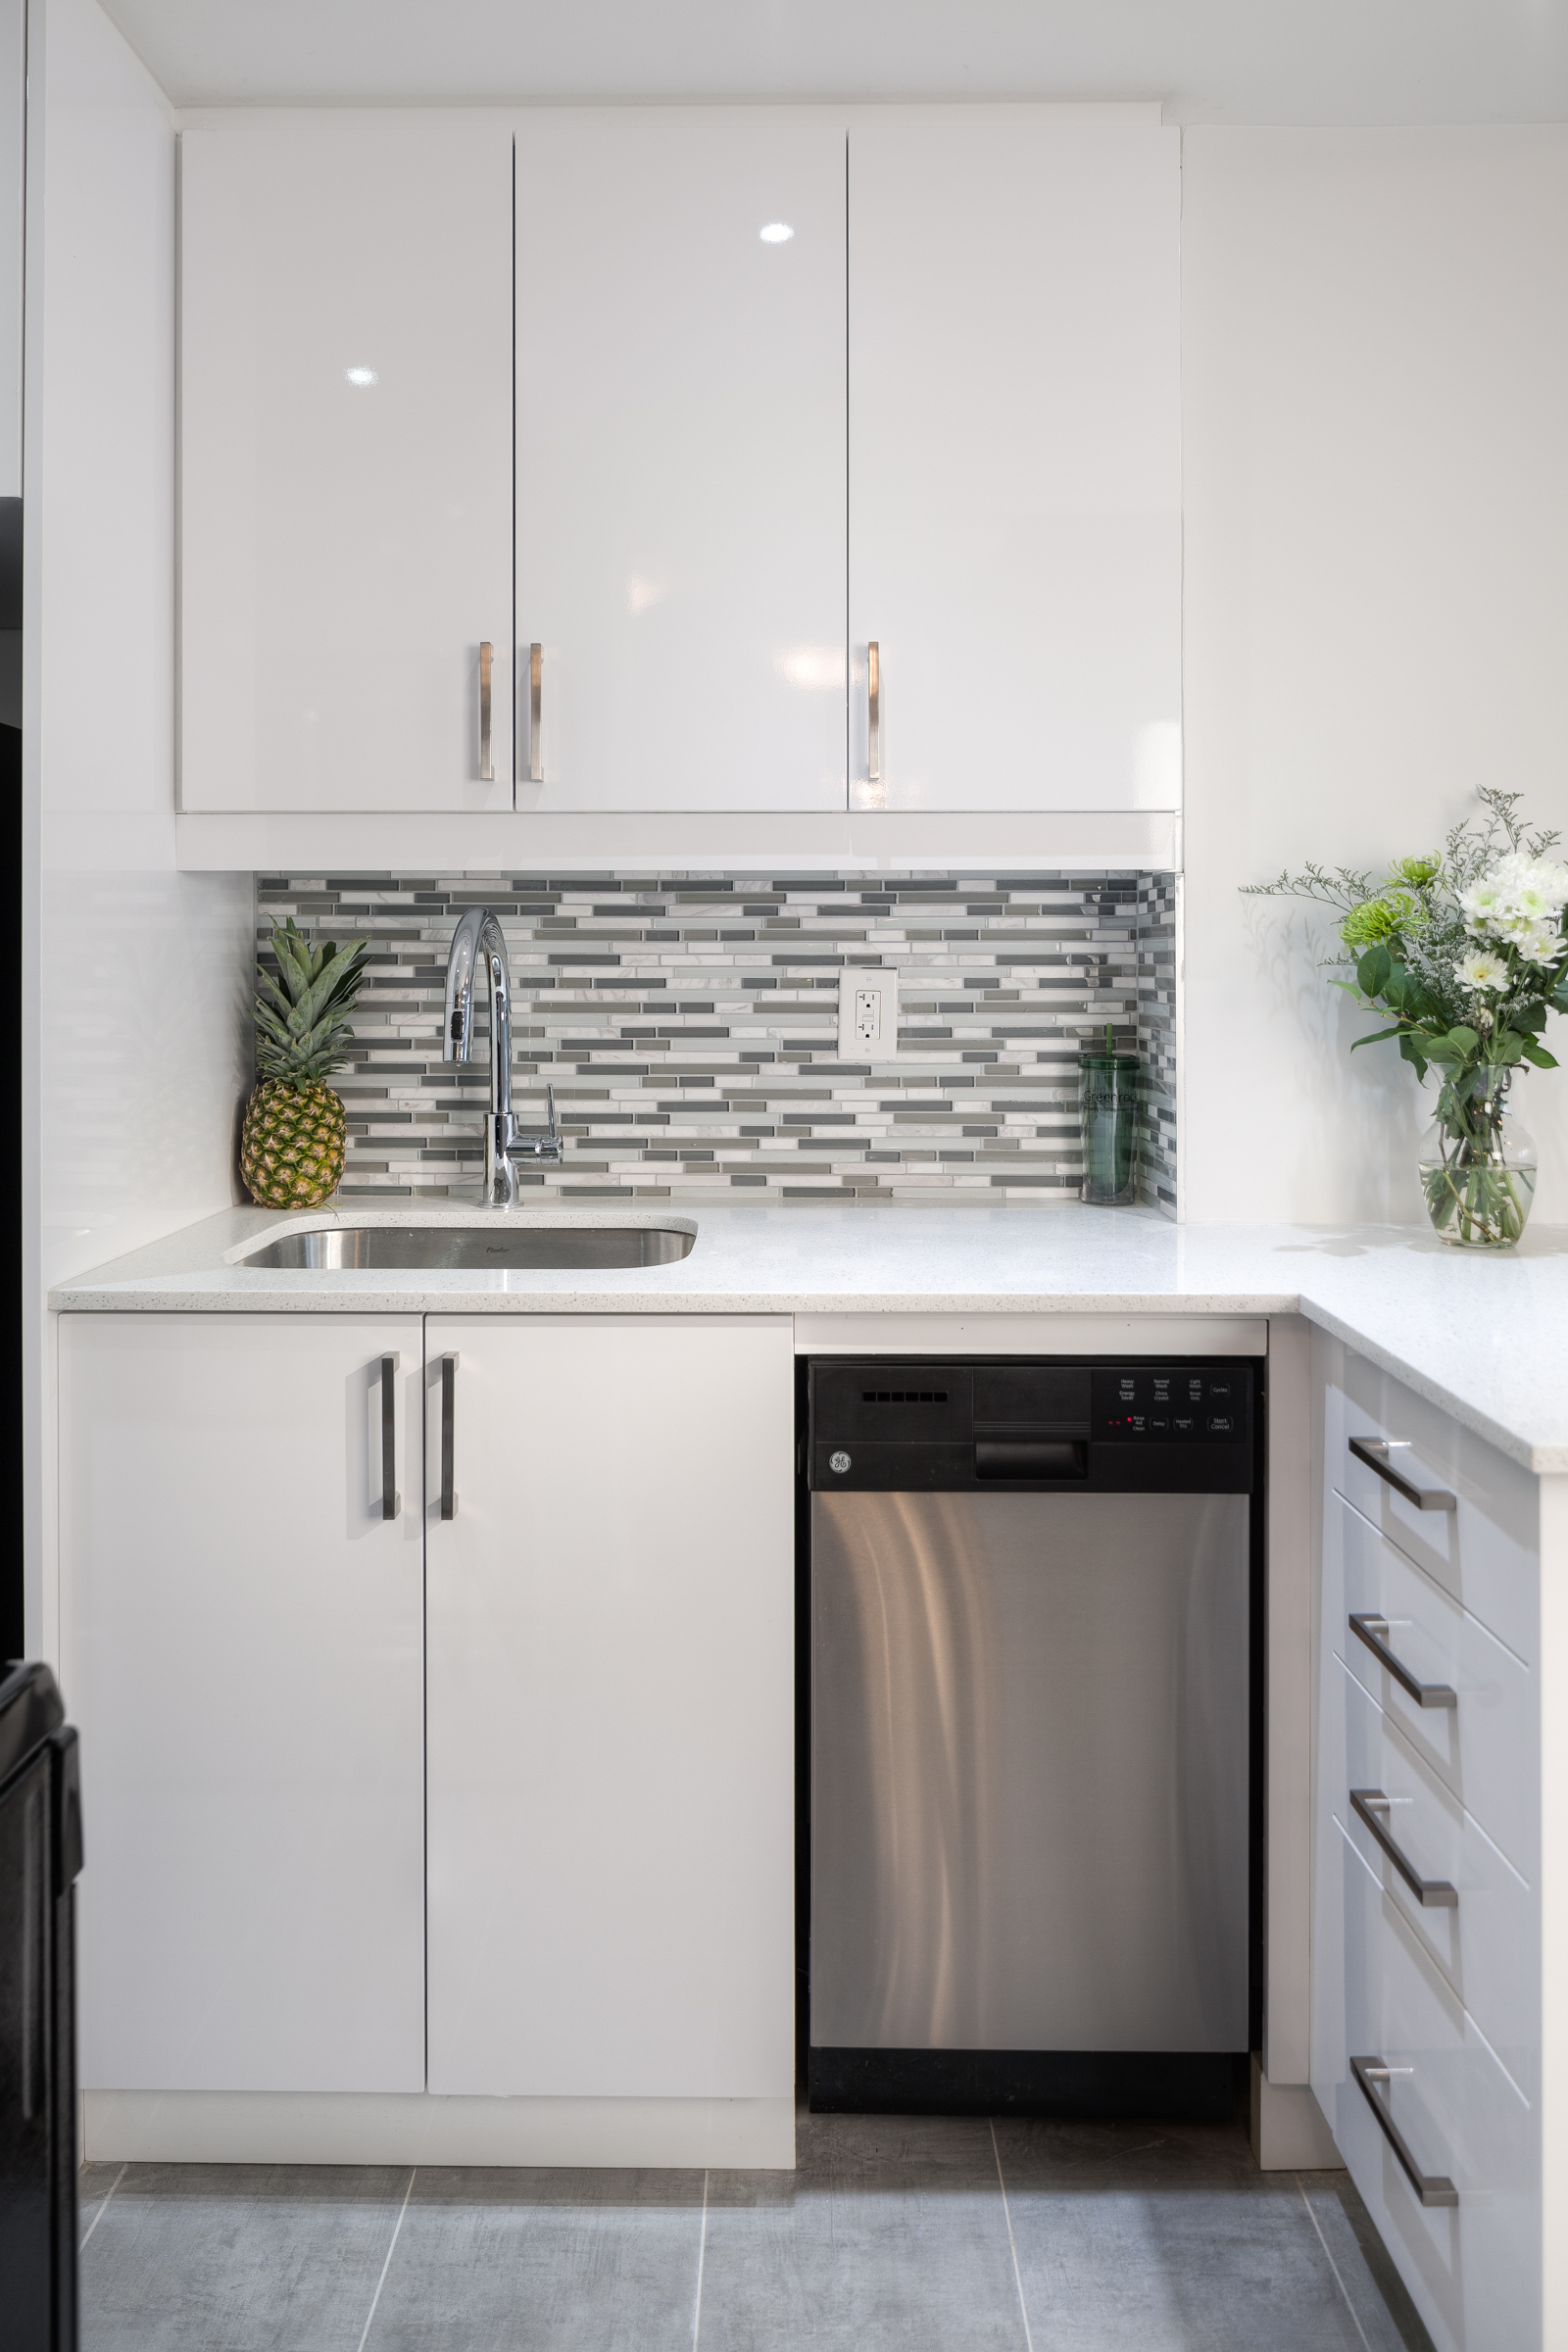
482	1247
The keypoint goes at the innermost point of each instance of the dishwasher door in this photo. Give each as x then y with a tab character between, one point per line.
1029	1772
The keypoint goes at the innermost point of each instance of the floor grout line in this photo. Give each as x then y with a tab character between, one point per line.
1012	2243
1333	2265
388	2265
103	2207
702	2256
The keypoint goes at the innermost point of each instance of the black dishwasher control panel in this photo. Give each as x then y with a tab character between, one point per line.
891	1424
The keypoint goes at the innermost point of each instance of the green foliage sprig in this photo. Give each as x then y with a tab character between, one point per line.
1463	954
302	1013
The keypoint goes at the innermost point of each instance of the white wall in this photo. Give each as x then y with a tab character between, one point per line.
136	1033
1375	386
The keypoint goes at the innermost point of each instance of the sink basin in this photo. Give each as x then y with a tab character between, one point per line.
482	1247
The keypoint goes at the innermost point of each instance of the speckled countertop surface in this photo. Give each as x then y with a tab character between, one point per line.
1483	1337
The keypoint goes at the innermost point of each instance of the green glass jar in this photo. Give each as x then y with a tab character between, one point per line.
1111	1092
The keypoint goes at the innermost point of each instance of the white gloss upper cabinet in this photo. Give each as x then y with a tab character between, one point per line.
680	457
346	496
1014	458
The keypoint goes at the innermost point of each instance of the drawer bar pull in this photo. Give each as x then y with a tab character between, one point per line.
1435	1894
486	767
391	1499
449	1401
1433	2188
874	712
1375	1452
1374	1631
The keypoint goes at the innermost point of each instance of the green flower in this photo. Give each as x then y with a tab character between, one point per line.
1418	871
1377	920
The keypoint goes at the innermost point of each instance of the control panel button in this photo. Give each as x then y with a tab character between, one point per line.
1220	1425
1183	1422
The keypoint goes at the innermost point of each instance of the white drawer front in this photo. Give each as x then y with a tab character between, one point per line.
1487	1746
1483	1551
1487	1943
1474	2268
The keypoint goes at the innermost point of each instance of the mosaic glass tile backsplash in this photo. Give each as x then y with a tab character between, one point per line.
689	1026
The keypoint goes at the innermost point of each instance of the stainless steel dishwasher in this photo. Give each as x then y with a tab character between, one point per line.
1031	1734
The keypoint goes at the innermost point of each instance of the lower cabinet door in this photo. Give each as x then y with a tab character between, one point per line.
610	1705
242	1648
1474	2266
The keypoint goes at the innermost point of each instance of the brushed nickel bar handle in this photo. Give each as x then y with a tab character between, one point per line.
391	1499
1433	2188
1375	1452
487	773
1374	1631
873	712
449	1389
536	681
1434	1894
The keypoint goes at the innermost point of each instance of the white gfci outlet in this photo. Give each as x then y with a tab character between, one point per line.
868	1016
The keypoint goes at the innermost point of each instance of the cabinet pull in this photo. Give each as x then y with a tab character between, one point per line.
874	712
487	773
448	1390
1433	2188
1374	1631
1434	1894
1375	1452
536	696
391	1499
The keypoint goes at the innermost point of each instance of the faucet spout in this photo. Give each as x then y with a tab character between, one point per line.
479	943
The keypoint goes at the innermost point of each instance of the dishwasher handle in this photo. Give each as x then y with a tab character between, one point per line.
1031	1458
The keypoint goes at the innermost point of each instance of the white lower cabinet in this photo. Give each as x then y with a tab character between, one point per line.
1473	2267
545	1733
1428	1897
242	1644
610	1705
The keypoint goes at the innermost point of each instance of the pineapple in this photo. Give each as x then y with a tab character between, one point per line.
291	1145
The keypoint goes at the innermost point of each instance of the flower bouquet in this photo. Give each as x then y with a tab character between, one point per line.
1464	954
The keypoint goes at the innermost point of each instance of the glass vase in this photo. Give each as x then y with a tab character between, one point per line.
1478	1165
1109	1094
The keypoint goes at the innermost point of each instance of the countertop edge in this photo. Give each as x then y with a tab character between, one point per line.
1444	1334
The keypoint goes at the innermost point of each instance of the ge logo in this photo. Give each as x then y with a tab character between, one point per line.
839	1462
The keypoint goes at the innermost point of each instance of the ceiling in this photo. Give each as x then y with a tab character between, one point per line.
1212	60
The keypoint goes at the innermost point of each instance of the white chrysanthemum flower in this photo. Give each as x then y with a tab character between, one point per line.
1519	895
1478	969
1540	941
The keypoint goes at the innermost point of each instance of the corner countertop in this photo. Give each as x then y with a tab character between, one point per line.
1484	1337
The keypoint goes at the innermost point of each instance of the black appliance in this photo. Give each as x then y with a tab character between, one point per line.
40	1855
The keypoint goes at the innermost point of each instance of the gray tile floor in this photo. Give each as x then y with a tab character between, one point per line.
896	2234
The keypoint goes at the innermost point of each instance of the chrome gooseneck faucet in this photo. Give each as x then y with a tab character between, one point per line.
478	939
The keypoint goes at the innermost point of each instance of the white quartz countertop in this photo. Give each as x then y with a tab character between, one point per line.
1482	1335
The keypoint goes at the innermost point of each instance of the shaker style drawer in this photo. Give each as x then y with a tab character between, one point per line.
1453	1503
1466	1705
1472	1915
1443	2147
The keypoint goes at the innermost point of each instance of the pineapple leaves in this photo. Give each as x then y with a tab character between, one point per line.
301	1010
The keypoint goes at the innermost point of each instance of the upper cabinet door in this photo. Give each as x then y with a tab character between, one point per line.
1014	458
346	476
681	459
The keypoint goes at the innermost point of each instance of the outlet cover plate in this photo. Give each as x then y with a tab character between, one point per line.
868	1016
